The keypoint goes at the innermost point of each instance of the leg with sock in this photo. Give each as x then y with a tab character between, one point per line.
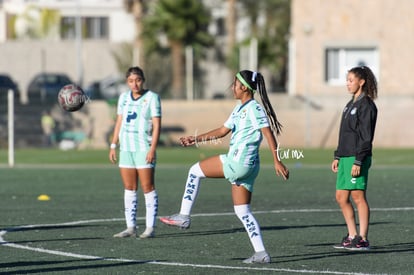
192	186
151	205
130	204
253	230
191	189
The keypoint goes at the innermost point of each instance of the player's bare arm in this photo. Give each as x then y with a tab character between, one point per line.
117	128
280	168
213	134
156	130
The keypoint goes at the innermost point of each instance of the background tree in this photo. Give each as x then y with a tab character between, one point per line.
123	55
137	9
175	24
37	23
270	23
274	41
231	25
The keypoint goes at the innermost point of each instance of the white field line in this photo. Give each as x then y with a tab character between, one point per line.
175	166
91	257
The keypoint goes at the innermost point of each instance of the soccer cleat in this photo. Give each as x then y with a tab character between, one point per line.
346	242
359	244
129	232
148	233
258	258
178	220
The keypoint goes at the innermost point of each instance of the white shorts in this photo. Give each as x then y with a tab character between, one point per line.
135	160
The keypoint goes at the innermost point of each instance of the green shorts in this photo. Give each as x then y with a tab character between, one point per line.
135	160
344	180
239	174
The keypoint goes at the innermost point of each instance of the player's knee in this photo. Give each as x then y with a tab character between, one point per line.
196	170
359	200
242	209
341	200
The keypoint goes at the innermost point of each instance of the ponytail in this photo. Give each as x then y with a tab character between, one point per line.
254	81
370	86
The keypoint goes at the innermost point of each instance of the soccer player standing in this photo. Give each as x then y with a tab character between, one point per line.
137	129
248	123
352	158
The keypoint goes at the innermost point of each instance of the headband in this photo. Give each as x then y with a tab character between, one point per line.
239	77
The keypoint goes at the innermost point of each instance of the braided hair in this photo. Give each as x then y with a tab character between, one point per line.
370	86
254	81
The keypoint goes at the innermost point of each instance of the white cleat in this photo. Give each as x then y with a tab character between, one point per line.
129	232
148	233
178	220
258	258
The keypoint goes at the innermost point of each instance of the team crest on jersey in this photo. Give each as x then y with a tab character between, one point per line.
353	111
243	114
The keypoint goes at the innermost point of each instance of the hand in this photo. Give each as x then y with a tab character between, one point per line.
334	165
150	158
112	155
355	171
187	141
281	170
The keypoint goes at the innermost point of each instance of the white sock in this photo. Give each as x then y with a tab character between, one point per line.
130	203
191	188
251	226
151	205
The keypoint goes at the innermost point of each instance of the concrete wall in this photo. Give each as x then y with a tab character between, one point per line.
316	126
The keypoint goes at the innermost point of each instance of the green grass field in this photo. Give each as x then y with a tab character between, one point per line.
187	156
72	232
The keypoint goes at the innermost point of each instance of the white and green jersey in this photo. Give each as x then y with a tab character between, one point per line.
136	128
245	123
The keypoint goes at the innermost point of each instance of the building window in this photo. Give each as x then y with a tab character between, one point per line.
221	28
92	28
339	60
96	27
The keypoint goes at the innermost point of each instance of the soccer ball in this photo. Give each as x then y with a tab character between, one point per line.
71	98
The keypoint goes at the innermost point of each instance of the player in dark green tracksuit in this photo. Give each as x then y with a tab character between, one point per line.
352	158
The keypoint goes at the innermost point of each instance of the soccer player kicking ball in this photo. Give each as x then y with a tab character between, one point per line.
248	123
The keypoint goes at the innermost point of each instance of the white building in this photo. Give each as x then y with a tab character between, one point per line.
101	19
106	25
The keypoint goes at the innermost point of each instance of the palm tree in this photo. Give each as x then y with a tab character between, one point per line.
274	41
137	9
183	23
272	36
231	25
38	23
